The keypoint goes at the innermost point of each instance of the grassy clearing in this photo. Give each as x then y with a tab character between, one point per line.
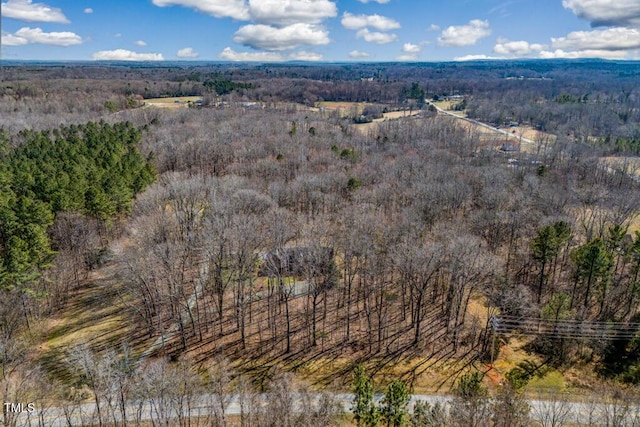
393	115
484	134
398	115
511	355
95	316
345	107
448	106
552	382
533	134
172	102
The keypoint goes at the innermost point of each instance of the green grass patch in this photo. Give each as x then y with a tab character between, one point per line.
552	381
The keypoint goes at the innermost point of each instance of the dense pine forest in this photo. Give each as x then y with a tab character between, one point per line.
305	231
93	170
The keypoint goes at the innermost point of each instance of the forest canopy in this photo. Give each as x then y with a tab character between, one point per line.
94	169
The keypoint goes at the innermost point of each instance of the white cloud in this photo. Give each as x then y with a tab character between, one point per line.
475	58
464	35
305	56
359	54
236	9
187	52
141	43
606	12
117	35
26	10
126	55
609	39
88	11
374	1
356	22
276	25
604	54
433	27
26	35
411	48
516	48
407	57
376	37
12	40
272	12
611	43
231	55
271	38
287	12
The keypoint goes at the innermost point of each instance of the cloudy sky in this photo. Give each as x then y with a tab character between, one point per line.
319	30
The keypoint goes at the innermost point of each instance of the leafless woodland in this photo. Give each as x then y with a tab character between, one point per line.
284	235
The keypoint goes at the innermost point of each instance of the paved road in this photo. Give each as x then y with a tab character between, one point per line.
569	412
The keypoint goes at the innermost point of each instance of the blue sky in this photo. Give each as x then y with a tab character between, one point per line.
319	30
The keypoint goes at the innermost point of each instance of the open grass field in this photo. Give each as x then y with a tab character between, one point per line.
171	102
398	115
448	106
526	134
345	107
533	134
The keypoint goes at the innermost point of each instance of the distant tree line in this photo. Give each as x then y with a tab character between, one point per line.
579	99
224	87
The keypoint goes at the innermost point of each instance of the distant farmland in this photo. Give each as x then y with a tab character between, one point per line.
172	102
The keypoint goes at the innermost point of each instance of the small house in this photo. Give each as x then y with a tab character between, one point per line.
298	261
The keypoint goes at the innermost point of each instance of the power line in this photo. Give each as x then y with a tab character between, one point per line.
564	328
